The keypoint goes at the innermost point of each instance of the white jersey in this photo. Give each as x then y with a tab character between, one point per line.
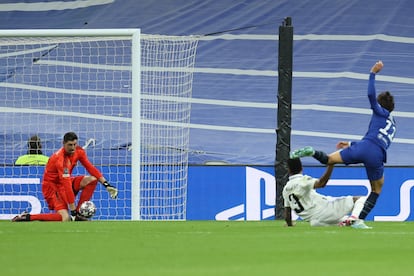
299	194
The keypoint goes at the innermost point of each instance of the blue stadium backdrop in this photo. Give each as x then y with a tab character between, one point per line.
227	192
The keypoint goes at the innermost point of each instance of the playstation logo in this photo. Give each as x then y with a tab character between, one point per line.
260	198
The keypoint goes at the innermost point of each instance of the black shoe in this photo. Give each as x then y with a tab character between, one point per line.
80	218
25	216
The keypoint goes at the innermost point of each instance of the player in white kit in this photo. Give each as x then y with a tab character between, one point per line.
300	196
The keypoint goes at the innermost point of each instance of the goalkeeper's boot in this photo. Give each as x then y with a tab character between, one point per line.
25	216
360	224
75	216
80	218
303	152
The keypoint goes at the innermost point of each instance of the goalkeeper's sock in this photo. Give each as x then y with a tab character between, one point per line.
321	156
368	205
87	192
46	217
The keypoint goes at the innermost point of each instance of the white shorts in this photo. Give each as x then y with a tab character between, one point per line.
334	211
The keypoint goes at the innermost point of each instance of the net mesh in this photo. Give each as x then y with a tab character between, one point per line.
52	85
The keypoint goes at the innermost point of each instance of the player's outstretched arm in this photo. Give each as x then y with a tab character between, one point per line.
323	180
288	216
377	67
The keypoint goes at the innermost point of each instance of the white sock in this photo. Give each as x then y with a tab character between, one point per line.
358	205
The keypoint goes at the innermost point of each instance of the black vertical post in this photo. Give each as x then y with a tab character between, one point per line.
284	111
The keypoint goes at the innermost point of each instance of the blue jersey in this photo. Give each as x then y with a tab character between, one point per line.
372	149
382	126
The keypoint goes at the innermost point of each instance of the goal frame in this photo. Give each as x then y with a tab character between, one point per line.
135	35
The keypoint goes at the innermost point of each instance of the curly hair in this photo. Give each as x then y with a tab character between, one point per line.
386	100
294	165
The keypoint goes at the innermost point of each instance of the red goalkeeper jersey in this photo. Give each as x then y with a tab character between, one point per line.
58	171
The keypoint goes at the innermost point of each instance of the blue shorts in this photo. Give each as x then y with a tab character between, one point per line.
370	154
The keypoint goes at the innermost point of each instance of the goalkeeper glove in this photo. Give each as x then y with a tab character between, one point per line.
113	192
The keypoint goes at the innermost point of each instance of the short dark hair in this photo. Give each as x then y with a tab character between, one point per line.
70	136
34	145
386	100
294	165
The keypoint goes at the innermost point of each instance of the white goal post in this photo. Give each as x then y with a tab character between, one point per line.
126	96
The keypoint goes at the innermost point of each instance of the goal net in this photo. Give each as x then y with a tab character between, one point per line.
126	96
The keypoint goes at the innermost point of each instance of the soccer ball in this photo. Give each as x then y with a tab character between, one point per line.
87	209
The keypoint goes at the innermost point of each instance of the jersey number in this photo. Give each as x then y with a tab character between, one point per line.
295	200
388	130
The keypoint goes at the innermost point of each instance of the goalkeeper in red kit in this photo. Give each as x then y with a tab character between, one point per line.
60	188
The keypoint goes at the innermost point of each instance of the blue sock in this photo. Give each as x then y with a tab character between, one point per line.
321	157
369	204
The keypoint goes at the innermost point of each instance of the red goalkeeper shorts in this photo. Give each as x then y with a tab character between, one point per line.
52	198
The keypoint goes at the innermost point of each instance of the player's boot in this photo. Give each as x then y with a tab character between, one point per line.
303	152
348	221
25	216
80	218
360	224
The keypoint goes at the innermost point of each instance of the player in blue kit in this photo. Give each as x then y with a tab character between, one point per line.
371	150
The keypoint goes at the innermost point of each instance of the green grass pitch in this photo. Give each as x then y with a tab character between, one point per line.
204	248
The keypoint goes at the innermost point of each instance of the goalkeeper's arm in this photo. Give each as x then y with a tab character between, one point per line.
113	192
